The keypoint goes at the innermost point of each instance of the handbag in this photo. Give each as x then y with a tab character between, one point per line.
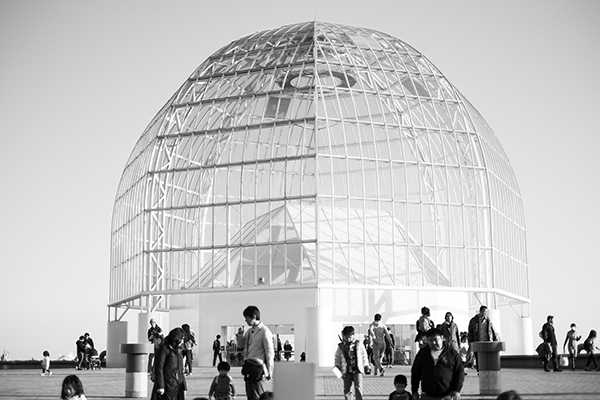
564	360
253	369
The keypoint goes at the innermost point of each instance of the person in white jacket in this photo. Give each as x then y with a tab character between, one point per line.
351	360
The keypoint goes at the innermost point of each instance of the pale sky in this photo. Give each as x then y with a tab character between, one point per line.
80	81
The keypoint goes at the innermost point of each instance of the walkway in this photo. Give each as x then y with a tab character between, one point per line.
110	384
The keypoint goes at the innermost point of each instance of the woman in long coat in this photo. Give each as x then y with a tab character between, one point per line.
169	380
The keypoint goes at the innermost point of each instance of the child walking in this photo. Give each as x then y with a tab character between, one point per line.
222	387
350	360
571	344
589	346
400	383
46	364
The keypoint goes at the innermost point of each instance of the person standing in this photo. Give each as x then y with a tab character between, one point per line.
155	336
216	347
390	347
481	329
351	360
258	350
89	347
549	337
189	341
438	369
424	324
169	380
239	342
287	350
379	335
450	331
571	344
80	343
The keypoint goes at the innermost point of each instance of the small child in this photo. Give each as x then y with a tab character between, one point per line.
46	364
351	361
571	344
72	389
400	393
222	386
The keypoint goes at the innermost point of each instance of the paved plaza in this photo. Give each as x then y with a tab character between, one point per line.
110	384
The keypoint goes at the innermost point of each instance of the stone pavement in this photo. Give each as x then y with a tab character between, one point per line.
110	384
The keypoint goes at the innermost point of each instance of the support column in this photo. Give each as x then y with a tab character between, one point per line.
136	376
488	359
319	339
116	335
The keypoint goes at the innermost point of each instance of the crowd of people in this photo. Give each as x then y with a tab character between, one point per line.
437	371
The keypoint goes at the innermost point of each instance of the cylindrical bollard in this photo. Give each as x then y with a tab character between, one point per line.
136	375
488	363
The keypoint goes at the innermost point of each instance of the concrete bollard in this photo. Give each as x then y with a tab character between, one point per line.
295	380
488	361
136	374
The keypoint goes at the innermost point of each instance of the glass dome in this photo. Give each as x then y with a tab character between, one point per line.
317	154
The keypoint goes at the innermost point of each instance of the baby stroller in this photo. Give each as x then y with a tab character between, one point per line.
94	360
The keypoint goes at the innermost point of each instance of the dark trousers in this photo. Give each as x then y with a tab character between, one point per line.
552	358
254	389
188	359
591	359
215	355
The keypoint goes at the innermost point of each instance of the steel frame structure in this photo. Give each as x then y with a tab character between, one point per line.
317	154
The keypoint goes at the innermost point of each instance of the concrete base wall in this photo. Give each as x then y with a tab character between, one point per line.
116	335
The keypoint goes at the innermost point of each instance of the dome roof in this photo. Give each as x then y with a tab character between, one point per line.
321	153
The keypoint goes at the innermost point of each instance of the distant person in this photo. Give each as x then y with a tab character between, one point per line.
549	337
379	335
590	347
571	345
216	347
466	355
390	347
72	389
189	342
89	348
156	337
278	348
423	325
509	395
80	344
481	329
400	383
239	343
259	353
222	387
169	379
450	331
351	361
368	343
46	364
287	350
438	369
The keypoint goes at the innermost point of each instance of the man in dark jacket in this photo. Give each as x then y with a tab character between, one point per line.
481	329
549	336
438	368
